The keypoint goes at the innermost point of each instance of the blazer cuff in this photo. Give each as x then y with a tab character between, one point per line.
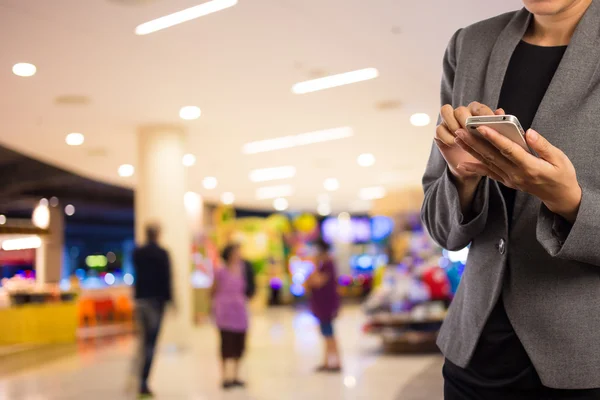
474	223
576	242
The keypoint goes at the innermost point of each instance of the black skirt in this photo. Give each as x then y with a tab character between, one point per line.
233	344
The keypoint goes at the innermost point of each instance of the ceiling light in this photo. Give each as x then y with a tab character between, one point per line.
420	119
324	209
183	16
54	201
24	69
331	184
70	210
32	242
44	202
280	204
227	198
190	112
272	174
126	170
210	182
189	160
303	139
192	201
41	216
271	192
372	193
75	139
332	81
366	160
2	219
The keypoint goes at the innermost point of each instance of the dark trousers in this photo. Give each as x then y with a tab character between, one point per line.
149	315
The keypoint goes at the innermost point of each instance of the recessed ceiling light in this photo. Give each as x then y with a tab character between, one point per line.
366	160
70	209
331	184
324	209
420	119
227	198
280	204
189	160
75	139
302	139
271	192
332	81
210	182
272	174
183	16
372	193
24	69
44	202
192	201
126	170
190	112
54	201
2	219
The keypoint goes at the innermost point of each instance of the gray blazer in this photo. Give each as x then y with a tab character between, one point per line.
552	292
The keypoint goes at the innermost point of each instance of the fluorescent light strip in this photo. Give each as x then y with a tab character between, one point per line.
332	81
302	139
183	16
372	193
272	174
33	242
272	192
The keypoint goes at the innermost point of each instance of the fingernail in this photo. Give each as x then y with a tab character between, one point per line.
460	133
482	130
532	135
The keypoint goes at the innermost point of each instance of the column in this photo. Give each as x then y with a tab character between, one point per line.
159	198
49	256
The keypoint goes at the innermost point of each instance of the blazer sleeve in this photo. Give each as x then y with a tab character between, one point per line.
441	213
577	242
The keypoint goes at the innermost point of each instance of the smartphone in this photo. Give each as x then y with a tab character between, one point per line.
506	125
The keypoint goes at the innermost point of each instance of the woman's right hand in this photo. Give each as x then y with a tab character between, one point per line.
445	135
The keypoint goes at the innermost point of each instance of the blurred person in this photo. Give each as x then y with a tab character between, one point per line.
524	323
153	292
233	285
325	304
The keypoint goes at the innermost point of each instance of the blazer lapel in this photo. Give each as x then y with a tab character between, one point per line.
501	54
571	83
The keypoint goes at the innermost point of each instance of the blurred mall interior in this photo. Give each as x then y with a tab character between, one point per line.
270	123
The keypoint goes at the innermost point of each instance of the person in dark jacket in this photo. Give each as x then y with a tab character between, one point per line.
152	293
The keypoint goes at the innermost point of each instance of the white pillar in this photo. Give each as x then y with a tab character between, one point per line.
49	257
159	198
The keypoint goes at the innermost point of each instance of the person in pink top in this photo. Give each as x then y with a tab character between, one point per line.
230	312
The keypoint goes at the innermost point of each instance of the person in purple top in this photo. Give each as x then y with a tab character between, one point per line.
230	312
325	303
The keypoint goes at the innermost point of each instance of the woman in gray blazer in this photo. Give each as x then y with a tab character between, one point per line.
525	322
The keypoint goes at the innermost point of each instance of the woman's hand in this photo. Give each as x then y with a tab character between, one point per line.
551	177
445	135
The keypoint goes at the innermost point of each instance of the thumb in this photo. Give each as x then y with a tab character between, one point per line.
500	111
541	146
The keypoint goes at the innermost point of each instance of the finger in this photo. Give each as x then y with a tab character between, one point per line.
461	114
489	161
543	147
500	111
489	153
447	113
509	149
479	109
481	170
442	134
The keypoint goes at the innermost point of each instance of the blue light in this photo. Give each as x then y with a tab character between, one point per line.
381	227
297	290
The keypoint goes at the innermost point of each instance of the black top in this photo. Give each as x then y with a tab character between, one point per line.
499	360
152	273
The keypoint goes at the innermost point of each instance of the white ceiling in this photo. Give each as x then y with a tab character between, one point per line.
238	66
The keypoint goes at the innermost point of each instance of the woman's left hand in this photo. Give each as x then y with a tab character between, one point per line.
551	177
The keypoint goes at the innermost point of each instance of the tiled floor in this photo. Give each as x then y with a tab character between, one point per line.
284	348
